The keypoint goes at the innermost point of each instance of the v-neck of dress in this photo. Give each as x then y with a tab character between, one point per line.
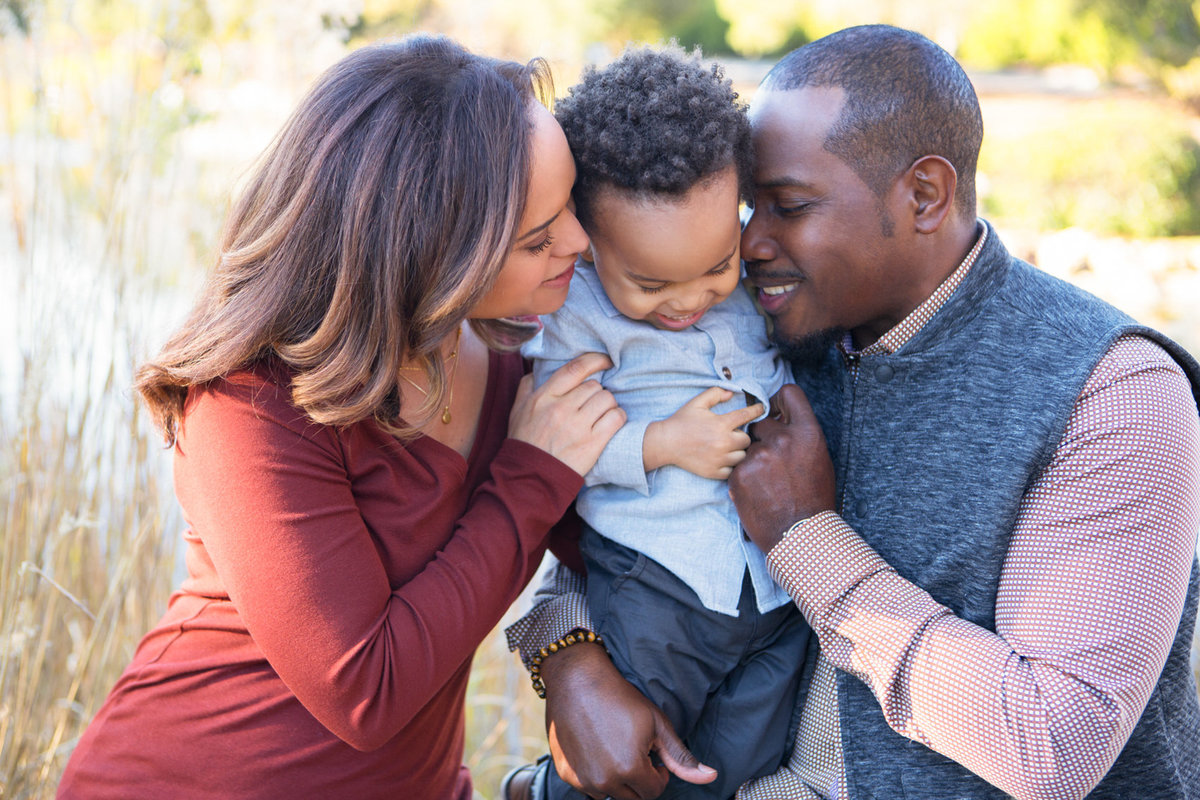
486	410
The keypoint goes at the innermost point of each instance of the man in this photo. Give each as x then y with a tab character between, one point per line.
982	495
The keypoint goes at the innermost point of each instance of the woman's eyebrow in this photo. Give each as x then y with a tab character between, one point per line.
537	228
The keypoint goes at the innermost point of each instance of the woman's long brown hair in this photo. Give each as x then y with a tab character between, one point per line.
377	219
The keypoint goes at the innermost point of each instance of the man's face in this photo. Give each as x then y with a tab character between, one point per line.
816	244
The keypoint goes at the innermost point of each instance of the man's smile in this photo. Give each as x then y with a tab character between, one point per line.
774	298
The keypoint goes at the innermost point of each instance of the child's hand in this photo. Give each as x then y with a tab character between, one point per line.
697	439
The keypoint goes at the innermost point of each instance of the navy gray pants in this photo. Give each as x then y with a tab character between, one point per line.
728	684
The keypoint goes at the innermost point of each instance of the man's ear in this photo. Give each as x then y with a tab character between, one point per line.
931	181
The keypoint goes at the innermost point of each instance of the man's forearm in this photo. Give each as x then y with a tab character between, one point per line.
559	607
925	666
1088	603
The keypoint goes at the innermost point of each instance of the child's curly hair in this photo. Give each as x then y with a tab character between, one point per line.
655	121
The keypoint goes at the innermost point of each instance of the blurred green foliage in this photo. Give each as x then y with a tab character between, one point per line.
1152	41
122	80
1163	31
1040	33
1118	166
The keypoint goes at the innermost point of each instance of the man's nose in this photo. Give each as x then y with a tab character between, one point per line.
756	244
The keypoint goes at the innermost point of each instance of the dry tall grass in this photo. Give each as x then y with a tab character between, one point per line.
105	228
88	525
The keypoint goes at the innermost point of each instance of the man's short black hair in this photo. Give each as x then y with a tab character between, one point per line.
906	98
656	121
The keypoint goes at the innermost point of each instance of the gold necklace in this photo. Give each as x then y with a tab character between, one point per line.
453	371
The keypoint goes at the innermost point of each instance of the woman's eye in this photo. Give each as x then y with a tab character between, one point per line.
541	246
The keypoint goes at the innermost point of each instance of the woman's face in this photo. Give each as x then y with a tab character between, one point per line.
538	269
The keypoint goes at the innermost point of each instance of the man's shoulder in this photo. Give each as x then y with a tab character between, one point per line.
1036	295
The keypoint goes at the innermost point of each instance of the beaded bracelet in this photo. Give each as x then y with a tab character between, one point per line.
535	664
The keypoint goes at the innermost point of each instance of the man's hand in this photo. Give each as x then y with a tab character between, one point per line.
787	475
603	731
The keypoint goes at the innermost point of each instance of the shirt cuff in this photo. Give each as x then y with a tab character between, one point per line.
819	561
622	462
560	606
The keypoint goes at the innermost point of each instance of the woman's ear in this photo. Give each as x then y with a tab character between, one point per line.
931	181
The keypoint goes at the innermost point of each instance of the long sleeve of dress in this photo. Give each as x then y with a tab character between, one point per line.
277	502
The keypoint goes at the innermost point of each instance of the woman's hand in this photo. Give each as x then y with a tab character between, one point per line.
570	417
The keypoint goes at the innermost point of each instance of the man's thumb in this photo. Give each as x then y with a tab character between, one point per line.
677	758
788	401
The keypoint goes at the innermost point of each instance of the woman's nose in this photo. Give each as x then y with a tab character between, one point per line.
574	240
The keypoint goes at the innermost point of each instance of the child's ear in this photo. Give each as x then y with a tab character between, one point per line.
586	255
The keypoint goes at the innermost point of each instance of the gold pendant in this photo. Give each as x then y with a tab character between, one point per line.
446	415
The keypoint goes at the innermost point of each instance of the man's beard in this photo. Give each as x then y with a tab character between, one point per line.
812	349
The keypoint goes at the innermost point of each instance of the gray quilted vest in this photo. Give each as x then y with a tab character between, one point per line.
944	439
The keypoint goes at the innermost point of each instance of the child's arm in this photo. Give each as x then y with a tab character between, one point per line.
565	334
697	439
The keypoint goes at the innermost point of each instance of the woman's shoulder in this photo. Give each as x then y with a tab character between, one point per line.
265	381
258	393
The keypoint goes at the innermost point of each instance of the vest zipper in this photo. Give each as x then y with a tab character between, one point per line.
852	366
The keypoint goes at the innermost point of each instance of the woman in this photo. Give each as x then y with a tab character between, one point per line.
362	506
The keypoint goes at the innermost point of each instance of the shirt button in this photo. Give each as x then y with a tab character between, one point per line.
727	372
860	508
884	373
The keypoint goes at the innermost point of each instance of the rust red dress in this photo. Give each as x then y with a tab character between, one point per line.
338	584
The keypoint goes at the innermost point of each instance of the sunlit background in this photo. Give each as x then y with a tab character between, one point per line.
126	124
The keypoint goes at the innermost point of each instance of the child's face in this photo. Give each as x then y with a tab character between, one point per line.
668	260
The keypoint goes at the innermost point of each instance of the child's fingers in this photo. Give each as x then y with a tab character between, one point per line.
739	441
743	416
710	397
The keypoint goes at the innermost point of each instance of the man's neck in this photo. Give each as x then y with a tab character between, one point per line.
937	282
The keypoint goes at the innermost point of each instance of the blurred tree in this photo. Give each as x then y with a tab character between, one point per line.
1040	33
690	22
381	18
1165	31
15	16
1165	35
770	28
761	27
